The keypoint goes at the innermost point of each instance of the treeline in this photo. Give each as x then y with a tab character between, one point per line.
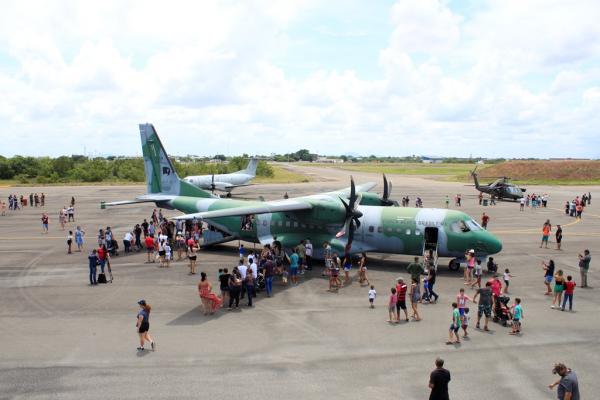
77	168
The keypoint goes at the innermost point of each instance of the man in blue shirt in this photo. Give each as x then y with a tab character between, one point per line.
568	387
93	259
294	259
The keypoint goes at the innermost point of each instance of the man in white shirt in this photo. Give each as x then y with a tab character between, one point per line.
127	241
253	266
308	254
243	268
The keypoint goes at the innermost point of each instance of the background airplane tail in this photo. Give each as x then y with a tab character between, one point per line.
251	168
475	179
160	173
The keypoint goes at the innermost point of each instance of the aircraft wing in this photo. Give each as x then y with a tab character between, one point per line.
224	187
150	198
263	208
365	187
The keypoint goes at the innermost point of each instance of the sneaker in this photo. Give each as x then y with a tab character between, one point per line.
140	349
552	306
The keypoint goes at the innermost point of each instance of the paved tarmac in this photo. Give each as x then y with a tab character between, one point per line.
62	339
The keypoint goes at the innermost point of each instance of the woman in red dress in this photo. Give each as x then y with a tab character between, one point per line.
210	301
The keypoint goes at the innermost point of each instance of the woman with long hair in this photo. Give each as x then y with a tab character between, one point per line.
559	287
362	270
143	325
210	301
192	257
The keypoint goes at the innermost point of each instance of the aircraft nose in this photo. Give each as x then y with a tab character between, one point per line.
493	244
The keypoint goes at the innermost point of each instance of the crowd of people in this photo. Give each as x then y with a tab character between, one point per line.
575	207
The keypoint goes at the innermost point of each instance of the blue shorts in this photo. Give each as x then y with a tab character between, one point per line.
461	311
548	279
294	271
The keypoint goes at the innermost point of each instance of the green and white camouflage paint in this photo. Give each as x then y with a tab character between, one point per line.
397	230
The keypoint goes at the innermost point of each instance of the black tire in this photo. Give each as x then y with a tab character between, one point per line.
453	265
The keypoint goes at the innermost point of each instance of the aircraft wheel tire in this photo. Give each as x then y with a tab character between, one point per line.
228	195
453	265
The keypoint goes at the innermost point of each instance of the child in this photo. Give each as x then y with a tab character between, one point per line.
168	255
372	295
517	317
284	277
69	241
478	272
455	326
465	322
461	300
569	291
425	296
392	307
507	277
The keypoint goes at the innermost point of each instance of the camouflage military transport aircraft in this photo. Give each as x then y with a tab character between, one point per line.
351	219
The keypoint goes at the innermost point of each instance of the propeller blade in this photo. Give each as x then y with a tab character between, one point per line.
386	191
352	193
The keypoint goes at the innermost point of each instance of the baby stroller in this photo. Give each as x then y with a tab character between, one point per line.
502	312
260	281
113	247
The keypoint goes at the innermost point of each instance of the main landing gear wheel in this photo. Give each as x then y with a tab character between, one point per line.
453	265
228	195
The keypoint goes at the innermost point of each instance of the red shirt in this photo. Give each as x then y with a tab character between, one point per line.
101	253
149	242
570	287
401	291
496	287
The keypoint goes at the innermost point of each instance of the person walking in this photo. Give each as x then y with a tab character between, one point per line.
401	289
484	220
249	284
294	260
438	381
269	271
192	257
584	266
362	270
415	296
431	277
93	262
224	285
143	325
454	326
69	242
309	253
415	269
235	287
79	234
517	312
372	296
567	386
393	316
45	223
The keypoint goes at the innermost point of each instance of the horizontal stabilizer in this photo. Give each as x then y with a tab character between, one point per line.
142	199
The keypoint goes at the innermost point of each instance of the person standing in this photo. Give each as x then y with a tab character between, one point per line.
569	292
567	385
301	250
584	266
269	274
558	236
484	220
559	287
431	277
548	275
454	326
210	301
143	325
372	295
415	296
415	269
485	305
309	253
44	223
438	381
294	259
545	234
79	234
249	285
235	286
93	262
69	242
517	317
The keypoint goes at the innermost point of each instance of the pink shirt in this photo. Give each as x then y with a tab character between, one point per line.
393	299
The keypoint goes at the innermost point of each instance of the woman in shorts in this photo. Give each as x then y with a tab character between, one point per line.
362	270
347	267
192	257
143	325
559	287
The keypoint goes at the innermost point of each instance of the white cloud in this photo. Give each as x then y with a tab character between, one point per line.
207	74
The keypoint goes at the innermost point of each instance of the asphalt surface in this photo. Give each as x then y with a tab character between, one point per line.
61	338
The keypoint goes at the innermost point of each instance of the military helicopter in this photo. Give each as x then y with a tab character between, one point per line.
501	188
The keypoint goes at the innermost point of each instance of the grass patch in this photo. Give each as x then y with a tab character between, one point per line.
282	175
444	169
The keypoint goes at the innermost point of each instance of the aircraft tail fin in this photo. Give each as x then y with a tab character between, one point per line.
251	168
161	176
475	179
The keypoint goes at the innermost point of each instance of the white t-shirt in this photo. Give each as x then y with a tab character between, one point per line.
128	236
372	294
254	270
167	250
243	270
506	276
308	249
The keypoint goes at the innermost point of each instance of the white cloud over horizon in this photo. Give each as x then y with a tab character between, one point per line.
503	79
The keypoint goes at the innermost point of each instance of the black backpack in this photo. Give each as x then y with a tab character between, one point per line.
101	278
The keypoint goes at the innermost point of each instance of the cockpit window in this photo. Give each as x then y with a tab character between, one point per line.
474	226
459	226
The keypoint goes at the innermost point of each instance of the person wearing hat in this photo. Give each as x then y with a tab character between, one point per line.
143	325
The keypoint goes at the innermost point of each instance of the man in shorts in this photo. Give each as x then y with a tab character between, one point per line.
401	289
485	304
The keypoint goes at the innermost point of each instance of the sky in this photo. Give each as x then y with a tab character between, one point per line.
491	78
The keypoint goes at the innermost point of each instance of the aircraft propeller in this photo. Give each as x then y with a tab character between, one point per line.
387	191
351	220
212	184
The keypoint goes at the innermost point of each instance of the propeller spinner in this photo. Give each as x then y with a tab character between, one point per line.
351	220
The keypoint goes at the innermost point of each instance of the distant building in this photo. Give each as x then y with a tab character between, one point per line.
431	160
329	160
480	162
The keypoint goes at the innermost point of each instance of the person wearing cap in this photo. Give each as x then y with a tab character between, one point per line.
568	387
143	325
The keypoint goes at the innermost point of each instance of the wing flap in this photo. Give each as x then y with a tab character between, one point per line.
264	208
